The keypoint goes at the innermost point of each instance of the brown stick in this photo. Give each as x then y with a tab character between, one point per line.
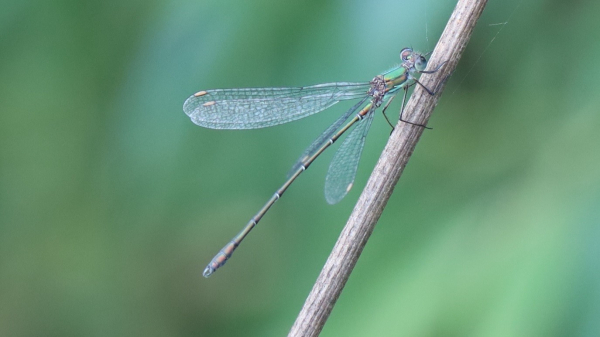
378	190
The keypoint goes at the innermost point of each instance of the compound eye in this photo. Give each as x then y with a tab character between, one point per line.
406	54
421	63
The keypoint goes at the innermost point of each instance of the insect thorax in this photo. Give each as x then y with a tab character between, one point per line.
377	90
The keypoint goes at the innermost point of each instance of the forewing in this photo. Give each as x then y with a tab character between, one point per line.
262	107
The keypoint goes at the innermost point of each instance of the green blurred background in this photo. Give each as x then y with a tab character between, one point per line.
112	201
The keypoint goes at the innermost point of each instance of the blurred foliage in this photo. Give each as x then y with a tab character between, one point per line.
112	201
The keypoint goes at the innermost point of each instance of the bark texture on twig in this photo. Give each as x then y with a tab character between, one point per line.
378	190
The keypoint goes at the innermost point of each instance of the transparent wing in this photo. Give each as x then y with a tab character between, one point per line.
344	164
325	136
262	107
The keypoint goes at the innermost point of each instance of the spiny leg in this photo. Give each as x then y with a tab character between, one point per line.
402	107
429	91
385	108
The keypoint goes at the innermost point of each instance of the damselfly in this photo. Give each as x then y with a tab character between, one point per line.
263	107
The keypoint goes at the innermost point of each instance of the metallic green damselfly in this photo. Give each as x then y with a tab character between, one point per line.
254	108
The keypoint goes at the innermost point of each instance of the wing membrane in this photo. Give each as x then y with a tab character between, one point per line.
344	164
263	107
325	136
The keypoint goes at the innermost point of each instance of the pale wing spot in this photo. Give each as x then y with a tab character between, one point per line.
200	93
349	187
209	103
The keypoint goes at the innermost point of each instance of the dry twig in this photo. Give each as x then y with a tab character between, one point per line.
378	190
